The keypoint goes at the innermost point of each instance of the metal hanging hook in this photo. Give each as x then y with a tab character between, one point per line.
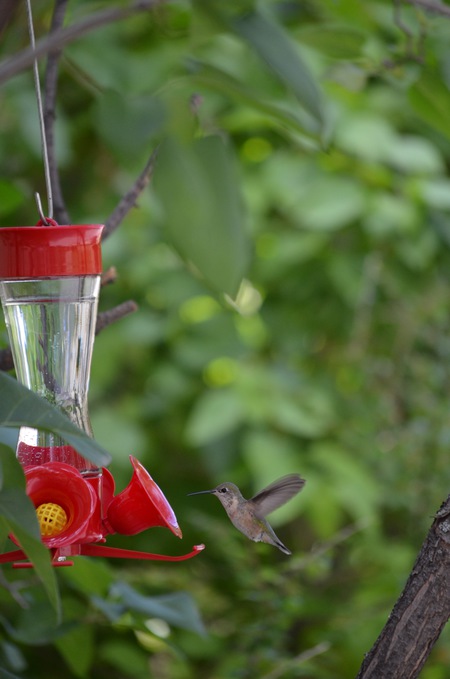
43	218
37	87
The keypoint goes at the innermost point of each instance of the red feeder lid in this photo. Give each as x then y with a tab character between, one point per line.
47	251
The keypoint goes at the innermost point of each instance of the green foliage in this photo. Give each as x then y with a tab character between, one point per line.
21	407
18	518
197	186
304	172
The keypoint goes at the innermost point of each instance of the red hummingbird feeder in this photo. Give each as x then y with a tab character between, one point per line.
49	287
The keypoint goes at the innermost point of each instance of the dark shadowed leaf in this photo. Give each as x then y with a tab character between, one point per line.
177	609
18	515
21	407
273	45
198	188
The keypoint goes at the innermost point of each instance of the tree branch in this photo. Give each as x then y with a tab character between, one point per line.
431	6
420	613
51	81
105	318
64	36
129	199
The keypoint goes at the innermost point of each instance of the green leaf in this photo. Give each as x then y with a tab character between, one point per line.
206	75
10	197
198	188
215	414
77	648
177	609
9	437
334	41
19	516
21	407
430	97
7	675
272	44
144	116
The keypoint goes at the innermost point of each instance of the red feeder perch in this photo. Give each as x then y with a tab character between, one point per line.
49	285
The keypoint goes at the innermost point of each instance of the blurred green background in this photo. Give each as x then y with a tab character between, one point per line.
306	154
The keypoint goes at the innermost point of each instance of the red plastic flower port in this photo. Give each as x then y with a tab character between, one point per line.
76	513
141	505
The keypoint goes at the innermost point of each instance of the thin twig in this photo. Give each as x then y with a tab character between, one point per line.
292	663
105	318
109	276
431	6
51	81
64	36
129	199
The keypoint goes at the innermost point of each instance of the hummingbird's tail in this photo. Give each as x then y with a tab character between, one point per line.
269	536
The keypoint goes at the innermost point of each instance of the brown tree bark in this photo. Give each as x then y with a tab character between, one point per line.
420	613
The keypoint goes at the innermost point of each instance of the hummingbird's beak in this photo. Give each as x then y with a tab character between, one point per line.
202	492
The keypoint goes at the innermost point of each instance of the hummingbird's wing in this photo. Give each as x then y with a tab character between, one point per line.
275	495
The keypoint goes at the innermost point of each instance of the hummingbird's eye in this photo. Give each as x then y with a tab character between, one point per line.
223	490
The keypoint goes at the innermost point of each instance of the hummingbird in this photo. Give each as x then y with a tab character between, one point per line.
248	516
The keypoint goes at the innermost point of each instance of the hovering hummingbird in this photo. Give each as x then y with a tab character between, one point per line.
249	515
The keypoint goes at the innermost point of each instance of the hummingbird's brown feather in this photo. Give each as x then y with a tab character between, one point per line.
276	494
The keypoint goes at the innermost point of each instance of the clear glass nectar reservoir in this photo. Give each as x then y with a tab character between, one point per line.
49	287
51	327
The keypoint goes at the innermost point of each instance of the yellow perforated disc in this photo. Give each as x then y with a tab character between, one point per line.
52	519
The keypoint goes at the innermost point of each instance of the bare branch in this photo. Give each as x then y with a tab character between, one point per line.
109	276
105	318
64	36
129	199
51	81
432	6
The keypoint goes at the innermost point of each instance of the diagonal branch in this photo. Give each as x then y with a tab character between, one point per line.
64	36
129	199
51	81
433	6
420	613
